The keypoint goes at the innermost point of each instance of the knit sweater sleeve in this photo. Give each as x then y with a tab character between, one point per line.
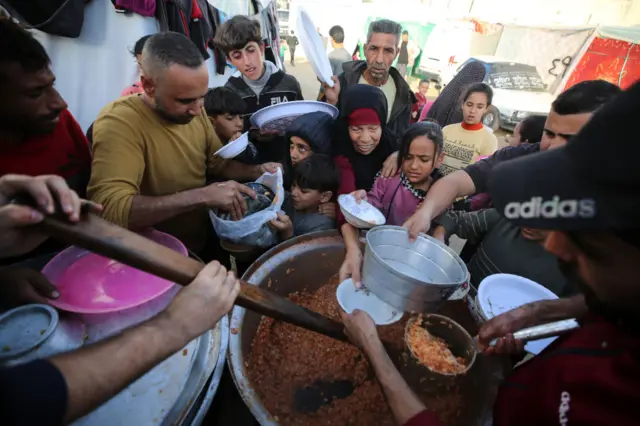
376	195
118	165
489	146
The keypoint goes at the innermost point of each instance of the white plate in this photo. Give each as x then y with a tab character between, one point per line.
276	118
313	47
500	293
235	147
351	298
360	214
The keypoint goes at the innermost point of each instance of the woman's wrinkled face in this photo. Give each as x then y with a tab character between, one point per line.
299	150
365	138
420	161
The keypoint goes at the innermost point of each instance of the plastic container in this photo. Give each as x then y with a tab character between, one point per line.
92	284
350	298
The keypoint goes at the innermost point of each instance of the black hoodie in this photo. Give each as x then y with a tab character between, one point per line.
316	129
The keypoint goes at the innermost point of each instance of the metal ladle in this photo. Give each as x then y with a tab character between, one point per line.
537	332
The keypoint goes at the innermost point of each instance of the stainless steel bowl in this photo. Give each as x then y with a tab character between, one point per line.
414	276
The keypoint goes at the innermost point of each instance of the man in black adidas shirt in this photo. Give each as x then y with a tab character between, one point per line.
569	113
258	82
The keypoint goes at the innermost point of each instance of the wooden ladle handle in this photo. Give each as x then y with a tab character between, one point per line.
106	239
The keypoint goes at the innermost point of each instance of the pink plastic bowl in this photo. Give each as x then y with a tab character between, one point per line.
92	284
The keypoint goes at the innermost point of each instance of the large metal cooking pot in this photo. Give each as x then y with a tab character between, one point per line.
416	276
308	262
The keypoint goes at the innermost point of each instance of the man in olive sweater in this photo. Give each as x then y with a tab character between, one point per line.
152	153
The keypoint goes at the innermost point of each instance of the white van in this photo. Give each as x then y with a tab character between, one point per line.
447	47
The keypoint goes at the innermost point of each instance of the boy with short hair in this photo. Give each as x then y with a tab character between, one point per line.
225	110
258	82
315	181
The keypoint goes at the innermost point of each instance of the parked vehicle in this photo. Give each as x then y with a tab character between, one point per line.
446	45
518	91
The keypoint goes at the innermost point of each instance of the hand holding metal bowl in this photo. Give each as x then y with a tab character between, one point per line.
416	276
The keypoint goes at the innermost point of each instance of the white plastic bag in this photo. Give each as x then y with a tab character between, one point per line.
254	230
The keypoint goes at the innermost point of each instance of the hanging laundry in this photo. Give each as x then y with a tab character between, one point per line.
58	17
141	7
198	29
216	18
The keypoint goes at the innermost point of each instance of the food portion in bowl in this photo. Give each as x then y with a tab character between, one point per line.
431	351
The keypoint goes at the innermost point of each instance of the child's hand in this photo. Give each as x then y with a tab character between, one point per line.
283	225
359	195
328	209
351	267
269	167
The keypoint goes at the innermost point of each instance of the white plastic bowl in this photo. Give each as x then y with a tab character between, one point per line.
361	214
351	299
234	148
312	45
276	118
499	293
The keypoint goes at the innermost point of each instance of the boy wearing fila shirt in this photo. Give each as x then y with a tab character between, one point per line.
258	82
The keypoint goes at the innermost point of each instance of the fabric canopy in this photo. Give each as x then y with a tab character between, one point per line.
612	54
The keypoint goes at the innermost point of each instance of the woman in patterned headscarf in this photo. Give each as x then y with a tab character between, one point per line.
447	108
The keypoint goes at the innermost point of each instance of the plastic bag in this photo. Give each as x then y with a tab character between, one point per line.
254	230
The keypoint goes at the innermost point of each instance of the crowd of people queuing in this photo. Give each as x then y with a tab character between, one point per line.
148	161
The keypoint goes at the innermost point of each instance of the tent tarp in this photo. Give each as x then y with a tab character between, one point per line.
545	48
628	34
616	61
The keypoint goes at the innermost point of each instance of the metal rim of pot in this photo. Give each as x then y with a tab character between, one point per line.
211	389
235	358
409	278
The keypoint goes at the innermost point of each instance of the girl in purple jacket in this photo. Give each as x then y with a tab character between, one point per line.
421	152
398	197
